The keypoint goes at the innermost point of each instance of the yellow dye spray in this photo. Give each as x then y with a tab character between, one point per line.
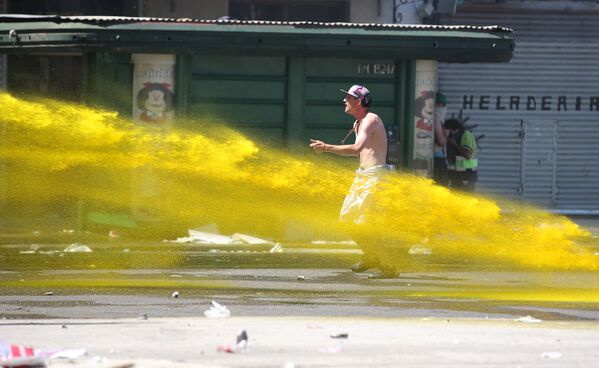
55	155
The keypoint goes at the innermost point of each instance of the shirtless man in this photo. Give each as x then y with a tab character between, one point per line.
371	147
371	138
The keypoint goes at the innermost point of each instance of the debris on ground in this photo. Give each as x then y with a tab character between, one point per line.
77	248
196	236
25	356
277	248
205	237
49	293
32	249
175	294
20	356
339	336
217	311
247	239
242	339
240	346
420	250
330	349
529	319
114	234
225	349
551	355
334	242
301	278
124	365
69	354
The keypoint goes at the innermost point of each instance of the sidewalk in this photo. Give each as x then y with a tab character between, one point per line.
591	223
417	320
307	342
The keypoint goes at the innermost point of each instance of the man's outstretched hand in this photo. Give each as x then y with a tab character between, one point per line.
318	146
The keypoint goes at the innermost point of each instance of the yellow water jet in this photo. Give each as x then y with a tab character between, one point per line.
56	155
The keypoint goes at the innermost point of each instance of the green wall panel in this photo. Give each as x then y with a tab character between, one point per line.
326	115
239	89
386	113
248	92
382	93
240	113
238	65
355	68
110	81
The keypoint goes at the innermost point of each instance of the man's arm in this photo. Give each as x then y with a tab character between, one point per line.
366	128
464	150
440	135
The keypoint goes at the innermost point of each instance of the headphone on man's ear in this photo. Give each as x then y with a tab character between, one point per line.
366	99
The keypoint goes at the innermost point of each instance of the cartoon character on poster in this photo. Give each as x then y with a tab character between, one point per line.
155	100
425	111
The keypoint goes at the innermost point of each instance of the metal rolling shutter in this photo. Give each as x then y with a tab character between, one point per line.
547	155
3	7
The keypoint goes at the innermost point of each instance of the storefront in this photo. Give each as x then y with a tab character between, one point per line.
277	82
539	114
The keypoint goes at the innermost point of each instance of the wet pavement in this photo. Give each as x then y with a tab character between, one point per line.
323	293
124	280
117	303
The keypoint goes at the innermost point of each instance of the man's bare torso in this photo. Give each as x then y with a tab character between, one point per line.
375	150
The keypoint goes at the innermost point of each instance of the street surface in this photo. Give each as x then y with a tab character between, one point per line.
117	303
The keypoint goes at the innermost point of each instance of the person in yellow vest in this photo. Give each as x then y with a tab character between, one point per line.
462	156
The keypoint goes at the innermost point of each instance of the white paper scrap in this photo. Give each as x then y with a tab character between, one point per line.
217	311
529	319
69	354
77	248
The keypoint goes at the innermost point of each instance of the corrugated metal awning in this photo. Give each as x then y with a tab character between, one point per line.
456	43
112	20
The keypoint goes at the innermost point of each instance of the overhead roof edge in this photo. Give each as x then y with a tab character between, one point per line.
115	20
85	34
